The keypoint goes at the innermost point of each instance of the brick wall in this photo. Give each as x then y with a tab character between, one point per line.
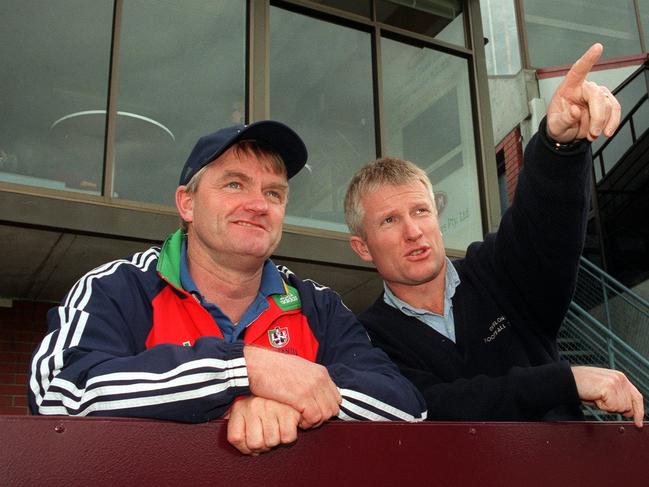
513	152
22	326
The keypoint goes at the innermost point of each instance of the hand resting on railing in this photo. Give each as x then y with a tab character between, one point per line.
256	425
610	391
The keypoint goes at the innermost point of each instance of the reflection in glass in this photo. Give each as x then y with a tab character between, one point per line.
628	97
52	69
499	27
641	119
617	146
559	31
427	108
321	85
441	20
181	76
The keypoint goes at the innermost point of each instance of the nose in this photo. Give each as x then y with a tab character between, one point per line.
411	230
257	202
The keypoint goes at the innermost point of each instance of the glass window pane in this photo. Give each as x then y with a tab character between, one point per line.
427	108
629	96
441	20
55	59
321	85
644	19
641	117
181	76
499	27
559	31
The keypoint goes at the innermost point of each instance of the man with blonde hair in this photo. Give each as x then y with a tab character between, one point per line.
478	336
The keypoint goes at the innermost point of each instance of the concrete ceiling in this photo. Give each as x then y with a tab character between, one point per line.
42	265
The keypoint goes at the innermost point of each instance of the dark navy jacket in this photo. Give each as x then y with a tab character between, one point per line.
515	289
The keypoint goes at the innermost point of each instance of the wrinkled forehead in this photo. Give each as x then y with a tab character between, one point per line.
411	186
388	198
246	153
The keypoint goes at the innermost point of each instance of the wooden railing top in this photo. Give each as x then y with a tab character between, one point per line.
121	452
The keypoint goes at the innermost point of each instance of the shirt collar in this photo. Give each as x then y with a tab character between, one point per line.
452	280
271	280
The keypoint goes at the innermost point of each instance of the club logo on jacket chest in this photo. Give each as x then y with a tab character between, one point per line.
495	328
279	337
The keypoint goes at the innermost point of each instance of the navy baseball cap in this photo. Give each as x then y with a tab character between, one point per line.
278	136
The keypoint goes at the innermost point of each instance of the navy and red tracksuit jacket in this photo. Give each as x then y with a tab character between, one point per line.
127	340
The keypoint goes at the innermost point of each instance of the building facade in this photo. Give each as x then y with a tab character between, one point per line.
102	101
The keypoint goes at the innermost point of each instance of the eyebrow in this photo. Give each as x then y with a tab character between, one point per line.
236	174
282	186
381	214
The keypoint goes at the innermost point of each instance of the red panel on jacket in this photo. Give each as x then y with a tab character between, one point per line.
182	321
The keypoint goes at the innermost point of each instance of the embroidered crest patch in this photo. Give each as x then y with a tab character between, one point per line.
279	337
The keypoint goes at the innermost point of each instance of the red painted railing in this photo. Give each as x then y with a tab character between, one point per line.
94	452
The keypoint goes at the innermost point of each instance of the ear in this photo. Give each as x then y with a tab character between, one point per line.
185	204
360	247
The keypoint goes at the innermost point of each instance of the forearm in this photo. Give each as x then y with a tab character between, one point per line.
368	384
189	384
535	254
369	387
553	194
524	393
378	392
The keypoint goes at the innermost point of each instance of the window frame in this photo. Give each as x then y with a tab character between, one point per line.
109	209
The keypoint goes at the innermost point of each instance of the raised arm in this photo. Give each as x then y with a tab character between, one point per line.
537	248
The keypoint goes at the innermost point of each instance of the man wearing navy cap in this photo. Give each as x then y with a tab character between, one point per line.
191	332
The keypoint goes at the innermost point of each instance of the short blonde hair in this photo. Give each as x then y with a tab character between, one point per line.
268	157
387	170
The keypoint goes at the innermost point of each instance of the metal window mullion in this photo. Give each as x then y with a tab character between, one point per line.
469	41
420	40
638	19
377	74
482	128
475	115
522	34
258	62
111	108
327	10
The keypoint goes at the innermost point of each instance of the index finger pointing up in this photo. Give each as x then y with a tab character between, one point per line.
582	66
